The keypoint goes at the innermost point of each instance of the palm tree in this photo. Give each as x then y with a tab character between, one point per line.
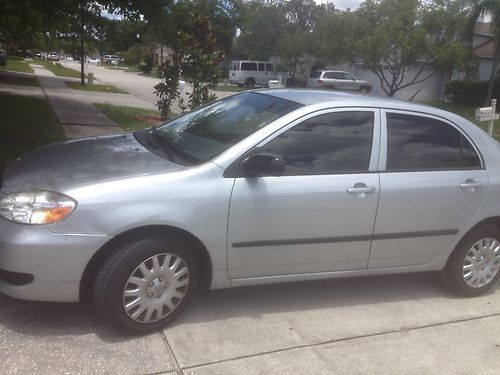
489	8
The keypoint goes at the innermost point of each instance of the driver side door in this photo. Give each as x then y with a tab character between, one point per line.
318	215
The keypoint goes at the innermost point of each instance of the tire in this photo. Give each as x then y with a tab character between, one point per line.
474	266
250	83
364	89
134	290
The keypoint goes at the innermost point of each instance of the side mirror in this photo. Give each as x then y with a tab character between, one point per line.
261	165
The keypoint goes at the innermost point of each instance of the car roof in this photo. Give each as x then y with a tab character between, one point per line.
308	97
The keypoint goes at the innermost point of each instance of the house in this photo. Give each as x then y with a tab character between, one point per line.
483	45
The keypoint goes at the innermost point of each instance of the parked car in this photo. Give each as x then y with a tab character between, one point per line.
3	57
337	80
111	59
260	187
53	56
251	73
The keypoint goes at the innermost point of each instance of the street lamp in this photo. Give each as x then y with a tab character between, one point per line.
138	37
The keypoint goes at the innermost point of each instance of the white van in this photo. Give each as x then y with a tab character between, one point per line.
250	73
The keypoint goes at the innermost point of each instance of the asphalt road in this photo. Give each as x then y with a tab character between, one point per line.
135	84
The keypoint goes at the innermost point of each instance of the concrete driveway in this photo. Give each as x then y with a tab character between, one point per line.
404	324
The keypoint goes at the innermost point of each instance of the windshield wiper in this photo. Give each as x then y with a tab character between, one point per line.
158	142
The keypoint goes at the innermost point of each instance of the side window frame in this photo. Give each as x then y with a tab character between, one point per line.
383	139
376	136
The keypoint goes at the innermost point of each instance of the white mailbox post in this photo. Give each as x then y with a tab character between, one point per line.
488	114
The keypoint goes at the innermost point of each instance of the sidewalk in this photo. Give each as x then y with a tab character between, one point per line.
78	118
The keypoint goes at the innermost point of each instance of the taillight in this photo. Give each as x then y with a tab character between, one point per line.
321	82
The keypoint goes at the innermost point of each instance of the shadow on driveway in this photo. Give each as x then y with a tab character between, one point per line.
44	318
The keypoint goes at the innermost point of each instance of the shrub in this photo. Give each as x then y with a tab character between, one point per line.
472	93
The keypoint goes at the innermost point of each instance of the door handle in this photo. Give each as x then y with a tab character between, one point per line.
361	190
471	185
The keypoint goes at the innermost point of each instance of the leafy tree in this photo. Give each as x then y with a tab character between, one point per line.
198	49
261	25
478	9
403	47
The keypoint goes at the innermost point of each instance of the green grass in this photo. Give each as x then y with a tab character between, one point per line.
124	116
466	112
58	69
98	88
17	65
19	80
229	88
23	130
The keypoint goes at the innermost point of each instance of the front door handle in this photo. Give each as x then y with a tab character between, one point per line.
471	185
361	189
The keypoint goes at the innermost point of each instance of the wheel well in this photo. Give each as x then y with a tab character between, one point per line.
112	245
493	221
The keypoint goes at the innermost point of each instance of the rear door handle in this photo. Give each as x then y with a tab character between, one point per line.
361	189
471	185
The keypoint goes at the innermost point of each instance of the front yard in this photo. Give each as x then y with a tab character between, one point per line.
27	123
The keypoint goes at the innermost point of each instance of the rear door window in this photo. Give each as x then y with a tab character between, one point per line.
418	143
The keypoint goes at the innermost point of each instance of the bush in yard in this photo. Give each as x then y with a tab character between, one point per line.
471	93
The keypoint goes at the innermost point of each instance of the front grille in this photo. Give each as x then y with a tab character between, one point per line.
16	278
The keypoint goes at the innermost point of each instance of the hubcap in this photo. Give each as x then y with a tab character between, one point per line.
481	263
156	288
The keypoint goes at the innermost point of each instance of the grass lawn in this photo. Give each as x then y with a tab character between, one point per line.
466	112
18	80
58	69
124	116
99	88
24	130
17	65
229	88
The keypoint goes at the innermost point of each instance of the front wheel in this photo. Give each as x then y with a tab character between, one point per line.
146	284
475	264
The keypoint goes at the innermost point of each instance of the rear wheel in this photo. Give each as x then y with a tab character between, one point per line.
146	284
474	266
250	83
364	90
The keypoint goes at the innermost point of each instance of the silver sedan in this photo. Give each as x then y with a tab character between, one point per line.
261	187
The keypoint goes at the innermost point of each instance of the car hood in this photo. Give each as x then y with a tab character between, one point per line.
64	165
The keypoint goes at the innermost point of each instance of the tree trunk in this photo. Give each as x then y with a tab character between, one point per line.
82	60
494	69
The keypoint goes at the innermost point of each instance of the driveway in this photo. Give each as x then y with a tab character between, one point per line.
377	325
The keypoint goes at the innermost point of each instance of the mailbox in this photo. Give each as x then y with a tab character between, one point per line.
486	114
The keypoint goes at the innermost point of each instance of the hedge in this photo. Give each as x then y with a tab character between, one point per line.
472	93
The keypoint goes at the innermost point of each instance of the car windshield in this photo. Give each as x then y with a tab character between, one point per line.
200	135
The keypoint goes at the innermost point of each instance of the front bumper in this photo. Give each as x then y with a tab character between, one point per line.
56	261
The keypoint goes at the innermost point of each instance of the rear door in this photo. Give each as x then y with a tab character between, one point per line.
432	182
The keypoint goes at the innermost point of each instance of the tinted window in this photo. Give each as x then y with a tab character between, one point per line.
269	67
262	67
331	143
417	143
316	74
248	66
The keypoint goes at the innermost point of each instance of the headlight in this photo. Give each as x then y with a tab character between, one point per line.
36	207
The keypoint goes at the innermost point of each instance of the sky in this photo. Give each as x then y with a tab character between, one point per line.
342	4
